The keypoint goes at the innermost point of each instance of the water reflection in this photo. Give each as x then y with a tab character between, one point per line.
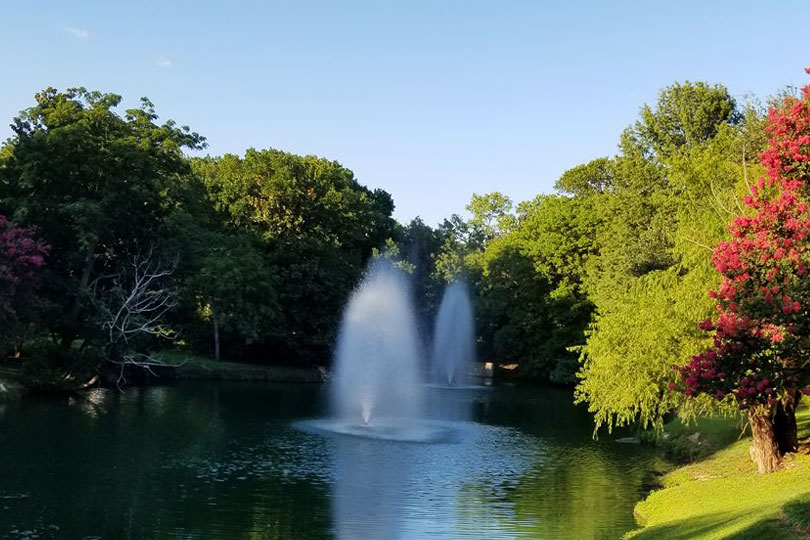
367	493
203	461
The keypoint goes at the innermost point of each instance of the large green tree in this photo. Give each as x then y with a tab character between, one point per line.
316	225
666	208
98	186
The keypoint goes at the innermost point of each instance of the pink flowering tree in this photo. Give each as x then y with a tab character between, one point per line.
759	358
21	258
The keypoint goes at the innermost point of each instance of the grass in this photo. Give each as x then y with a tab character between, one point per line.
686	443
190	366
722	496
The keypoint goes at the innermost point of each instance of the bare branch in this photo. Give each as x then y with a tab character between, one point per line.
134	308
698	243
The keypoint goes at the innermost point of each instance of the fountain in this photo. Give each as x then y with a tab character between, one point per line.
454	338
377	389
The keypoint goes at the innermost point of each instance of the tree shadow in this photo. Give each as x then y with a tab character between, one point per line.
712	524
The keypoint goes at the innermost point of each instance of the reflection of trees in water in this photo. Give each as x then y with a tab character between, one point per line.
568	493
221	461
154	463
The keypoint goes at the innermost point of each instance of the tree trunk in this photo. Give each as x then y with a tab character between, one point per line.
764	446
72	317
216	328
784	424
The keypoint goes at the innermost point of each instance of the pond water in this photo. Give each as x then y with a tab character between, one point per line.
231	461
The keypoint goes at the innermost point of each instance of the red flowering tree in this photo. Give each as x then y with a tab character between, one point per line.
21	257
760	355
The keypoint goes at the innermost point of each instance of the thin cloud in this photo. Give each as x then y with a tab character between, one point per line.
163	62
78	33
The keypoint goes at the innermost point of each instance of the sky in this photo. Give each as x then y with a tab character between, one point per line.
430	100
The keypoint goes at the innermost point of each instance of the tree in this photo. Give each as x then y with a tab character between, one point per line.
316	226
98	187
491	215
652	266
686	115
591	178
132	311
21	260
234	287
759	355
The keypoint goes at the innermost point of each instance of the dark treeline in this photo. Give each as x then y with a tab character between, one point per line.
137	247
140	248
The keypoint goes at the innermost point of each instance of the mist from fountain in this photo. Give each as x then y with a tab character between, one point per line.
377	380
453	354
377	387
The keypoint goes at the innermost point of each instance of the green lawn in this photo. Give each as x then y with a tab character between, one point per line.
191	366
722	496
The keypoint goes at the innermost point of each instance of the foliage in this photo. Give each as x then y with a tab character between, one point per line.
665	208
96	185
592	178
316	227
759	354
235	284
21	259
685	115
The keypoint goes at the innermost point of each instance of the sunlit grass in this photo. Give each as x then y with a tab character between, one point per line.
722	496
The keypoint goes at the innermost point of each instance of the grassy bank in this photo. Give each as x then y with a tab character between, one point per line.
193	367
720	495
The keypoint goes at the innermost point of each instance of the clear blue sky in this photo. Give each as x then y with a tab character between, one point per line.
431	100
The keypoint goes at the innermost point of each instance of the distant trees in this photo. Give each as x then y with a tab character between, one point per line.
263	249
314	226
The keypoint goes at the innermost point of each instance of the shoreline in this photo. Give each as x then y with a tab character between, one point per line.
712	490
181	367
203	369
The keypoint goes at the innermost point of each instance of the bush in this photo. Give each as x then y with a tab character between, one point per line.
47	365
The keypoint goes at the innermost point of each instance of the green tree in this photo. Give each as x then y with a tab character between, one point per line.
317	227
235	290
643	326
686	114
592	178
97	185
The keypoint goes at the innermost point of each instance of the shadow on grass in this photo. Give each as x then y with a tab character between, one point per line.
686	443
803	423
714	525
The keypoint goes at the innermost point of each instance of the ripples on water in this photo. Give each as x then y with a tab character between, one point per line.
225	461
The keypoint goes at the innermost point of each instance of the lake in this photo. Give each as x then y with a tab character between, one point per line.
231	461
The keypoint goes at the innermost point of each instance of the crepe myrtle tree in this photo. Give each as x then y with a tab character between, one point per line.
759	358
21	258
